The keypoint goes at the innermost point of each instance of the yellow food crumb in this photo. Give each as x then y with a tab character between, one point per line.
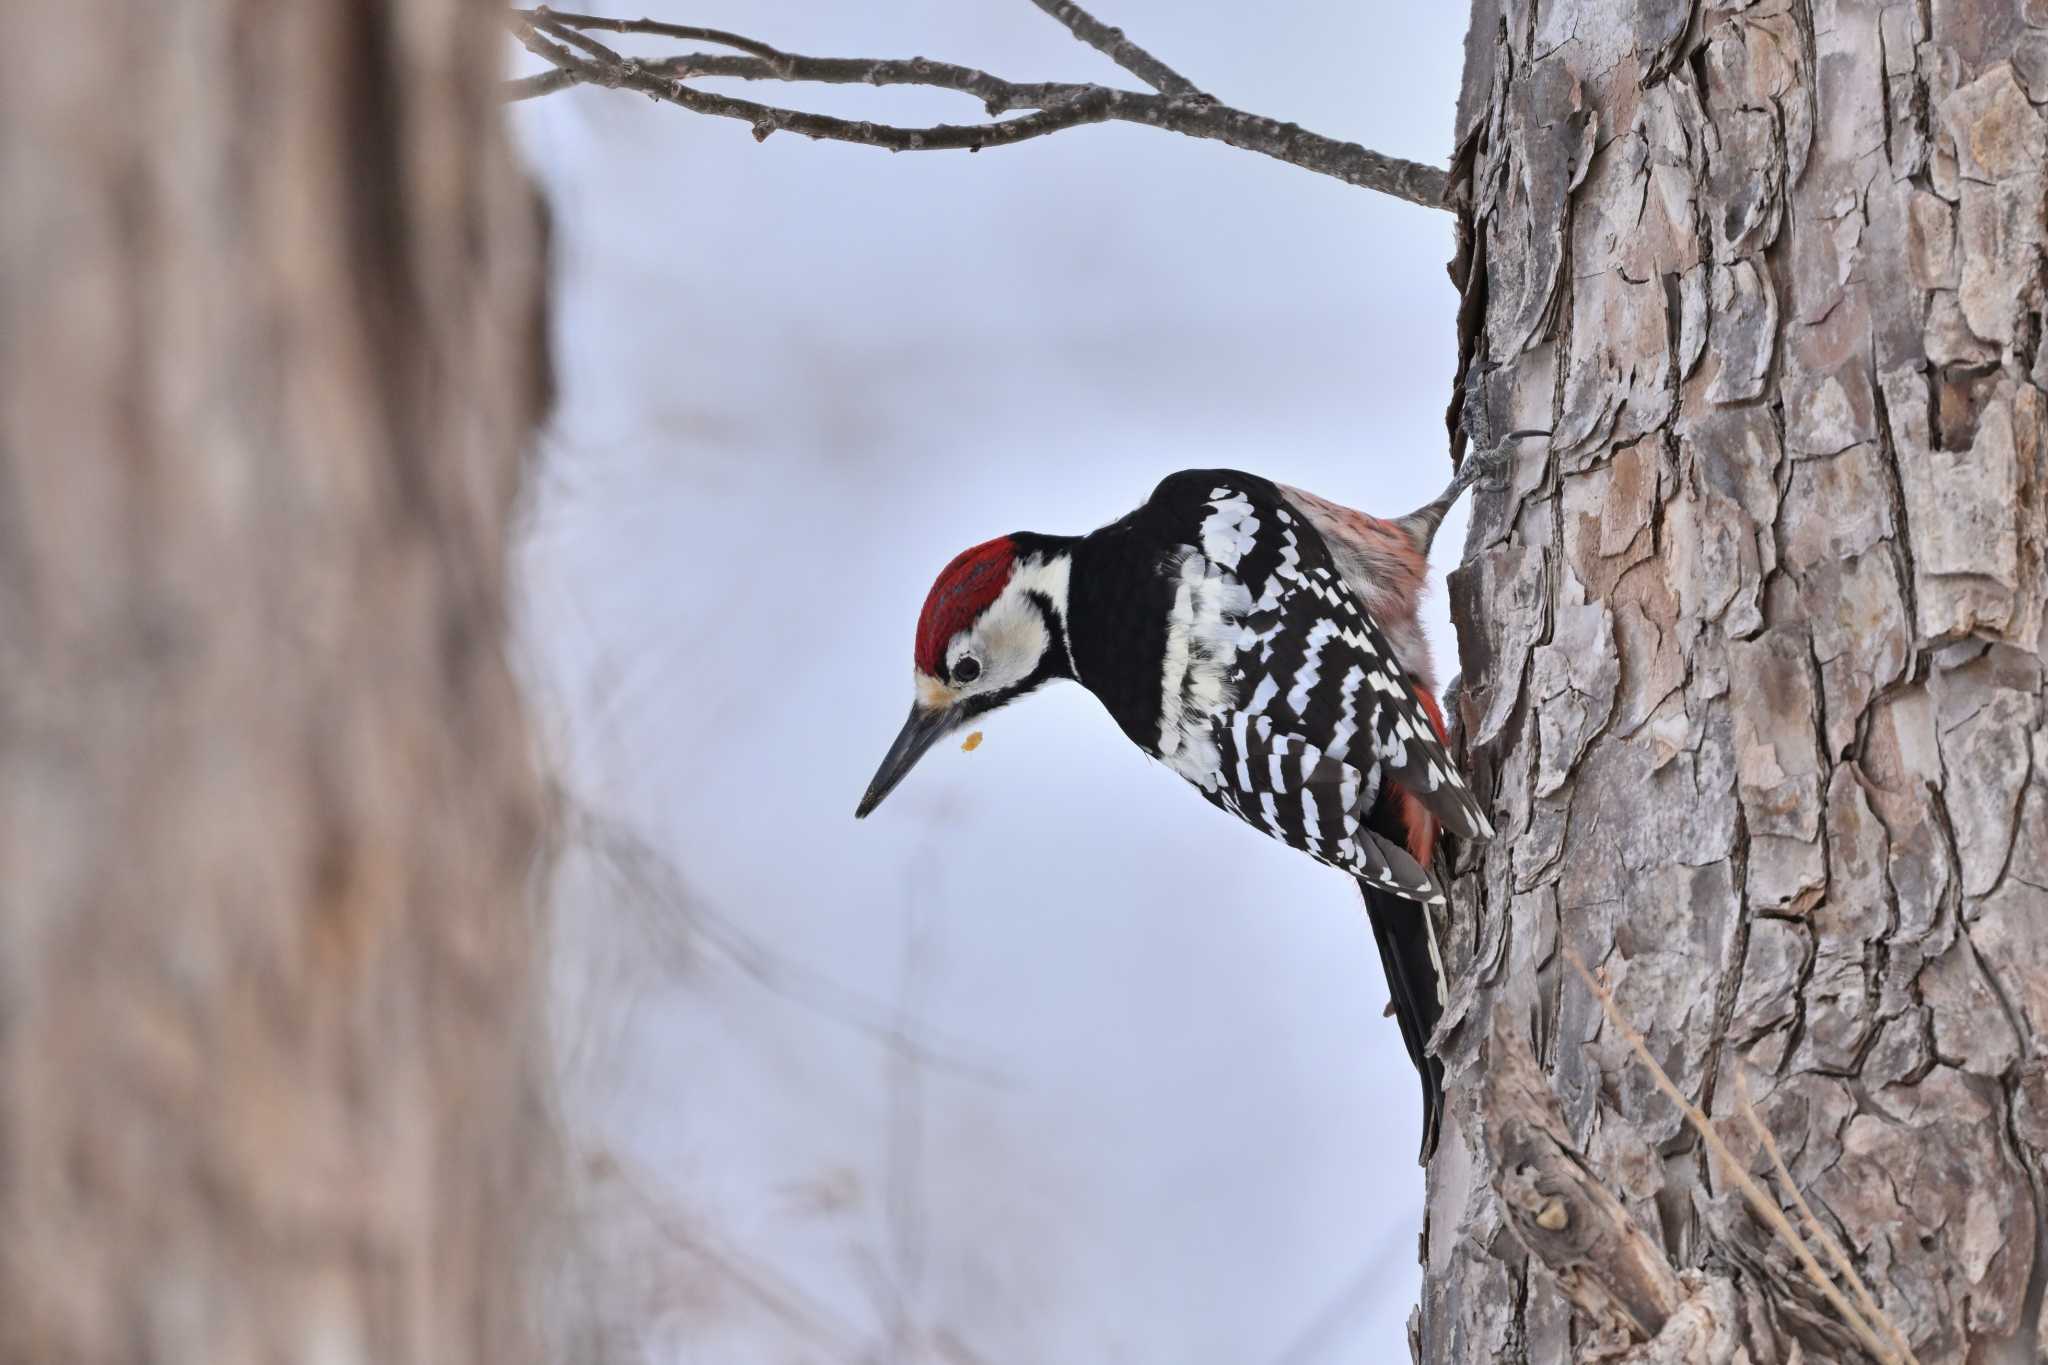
971	743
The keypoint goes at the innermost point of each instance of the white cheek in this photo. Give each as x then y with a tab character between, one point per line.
1014	649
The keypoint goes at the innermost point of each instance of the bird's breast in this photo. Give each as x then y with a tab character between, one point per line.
1199	666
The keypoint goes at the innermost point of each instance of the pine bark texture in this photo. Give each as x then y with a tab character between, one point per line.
1753	659
269	355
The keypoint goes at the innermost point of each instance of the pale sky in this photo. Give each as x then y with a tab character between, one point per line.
1165	1122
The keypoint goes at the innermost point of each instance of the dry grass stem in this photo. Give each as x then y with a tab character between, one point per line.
1835	1250
1759	1198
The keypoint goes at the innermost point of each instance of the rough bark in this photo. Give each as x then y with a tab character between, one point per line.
1753	656
269	354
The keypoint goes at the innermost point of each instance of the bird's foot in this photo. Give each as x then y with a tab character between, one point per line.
1489	468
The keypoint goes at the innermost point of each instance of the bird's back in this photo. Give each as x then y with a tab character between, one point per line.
1217	625
1387	567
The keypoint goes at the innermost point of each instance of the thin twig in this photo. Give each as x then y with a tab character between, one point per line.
1759	1198
688	32
529	34
1111	43
785	1299
606	67
904	1177
1058	105
644	870
546	83
997	95
1815	1228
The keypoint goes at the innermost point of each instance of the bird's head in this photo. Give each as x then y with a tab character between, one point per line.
993	628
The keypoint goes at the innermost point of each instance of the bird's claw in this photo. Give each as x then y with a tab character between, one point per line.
1489	468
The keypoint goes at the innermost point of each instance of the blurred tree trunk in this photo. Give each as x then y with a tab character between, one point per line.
269	354
1753	656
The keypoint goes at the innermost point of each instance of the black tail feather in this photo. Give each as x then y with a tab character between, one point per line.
1403	936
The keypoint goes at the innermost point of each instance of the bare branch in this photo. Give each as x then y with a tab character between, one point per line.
546	83
997	95
616	72
655	28
1111	43
1058	105
528	30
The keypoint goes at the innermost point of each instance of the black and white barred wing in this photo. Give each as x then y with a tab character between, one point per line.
1306	655
1347	677
1283	784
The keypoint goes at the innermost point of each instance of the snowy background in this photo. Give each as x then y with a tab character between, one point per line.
1048	1061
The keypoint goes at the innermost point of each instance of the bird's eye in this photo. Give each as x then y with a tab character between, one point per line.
967	669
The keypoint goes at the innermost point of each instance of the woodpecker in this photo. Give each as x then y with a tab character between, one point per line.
1265	644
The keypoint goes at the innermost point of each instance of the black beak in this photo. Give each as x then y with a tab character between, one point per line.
924	729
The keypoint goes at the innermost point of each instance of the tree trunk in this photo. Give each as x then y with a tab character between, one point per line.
269	355
1753	655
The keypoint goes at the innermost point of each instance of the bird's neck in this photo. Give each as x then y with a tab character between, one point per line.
1118	600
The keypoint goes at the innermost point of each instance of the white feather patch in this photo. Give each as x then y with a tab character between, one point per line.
1201	646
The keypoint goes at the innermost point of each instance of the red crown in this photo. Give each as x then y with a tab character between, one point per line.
964	589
